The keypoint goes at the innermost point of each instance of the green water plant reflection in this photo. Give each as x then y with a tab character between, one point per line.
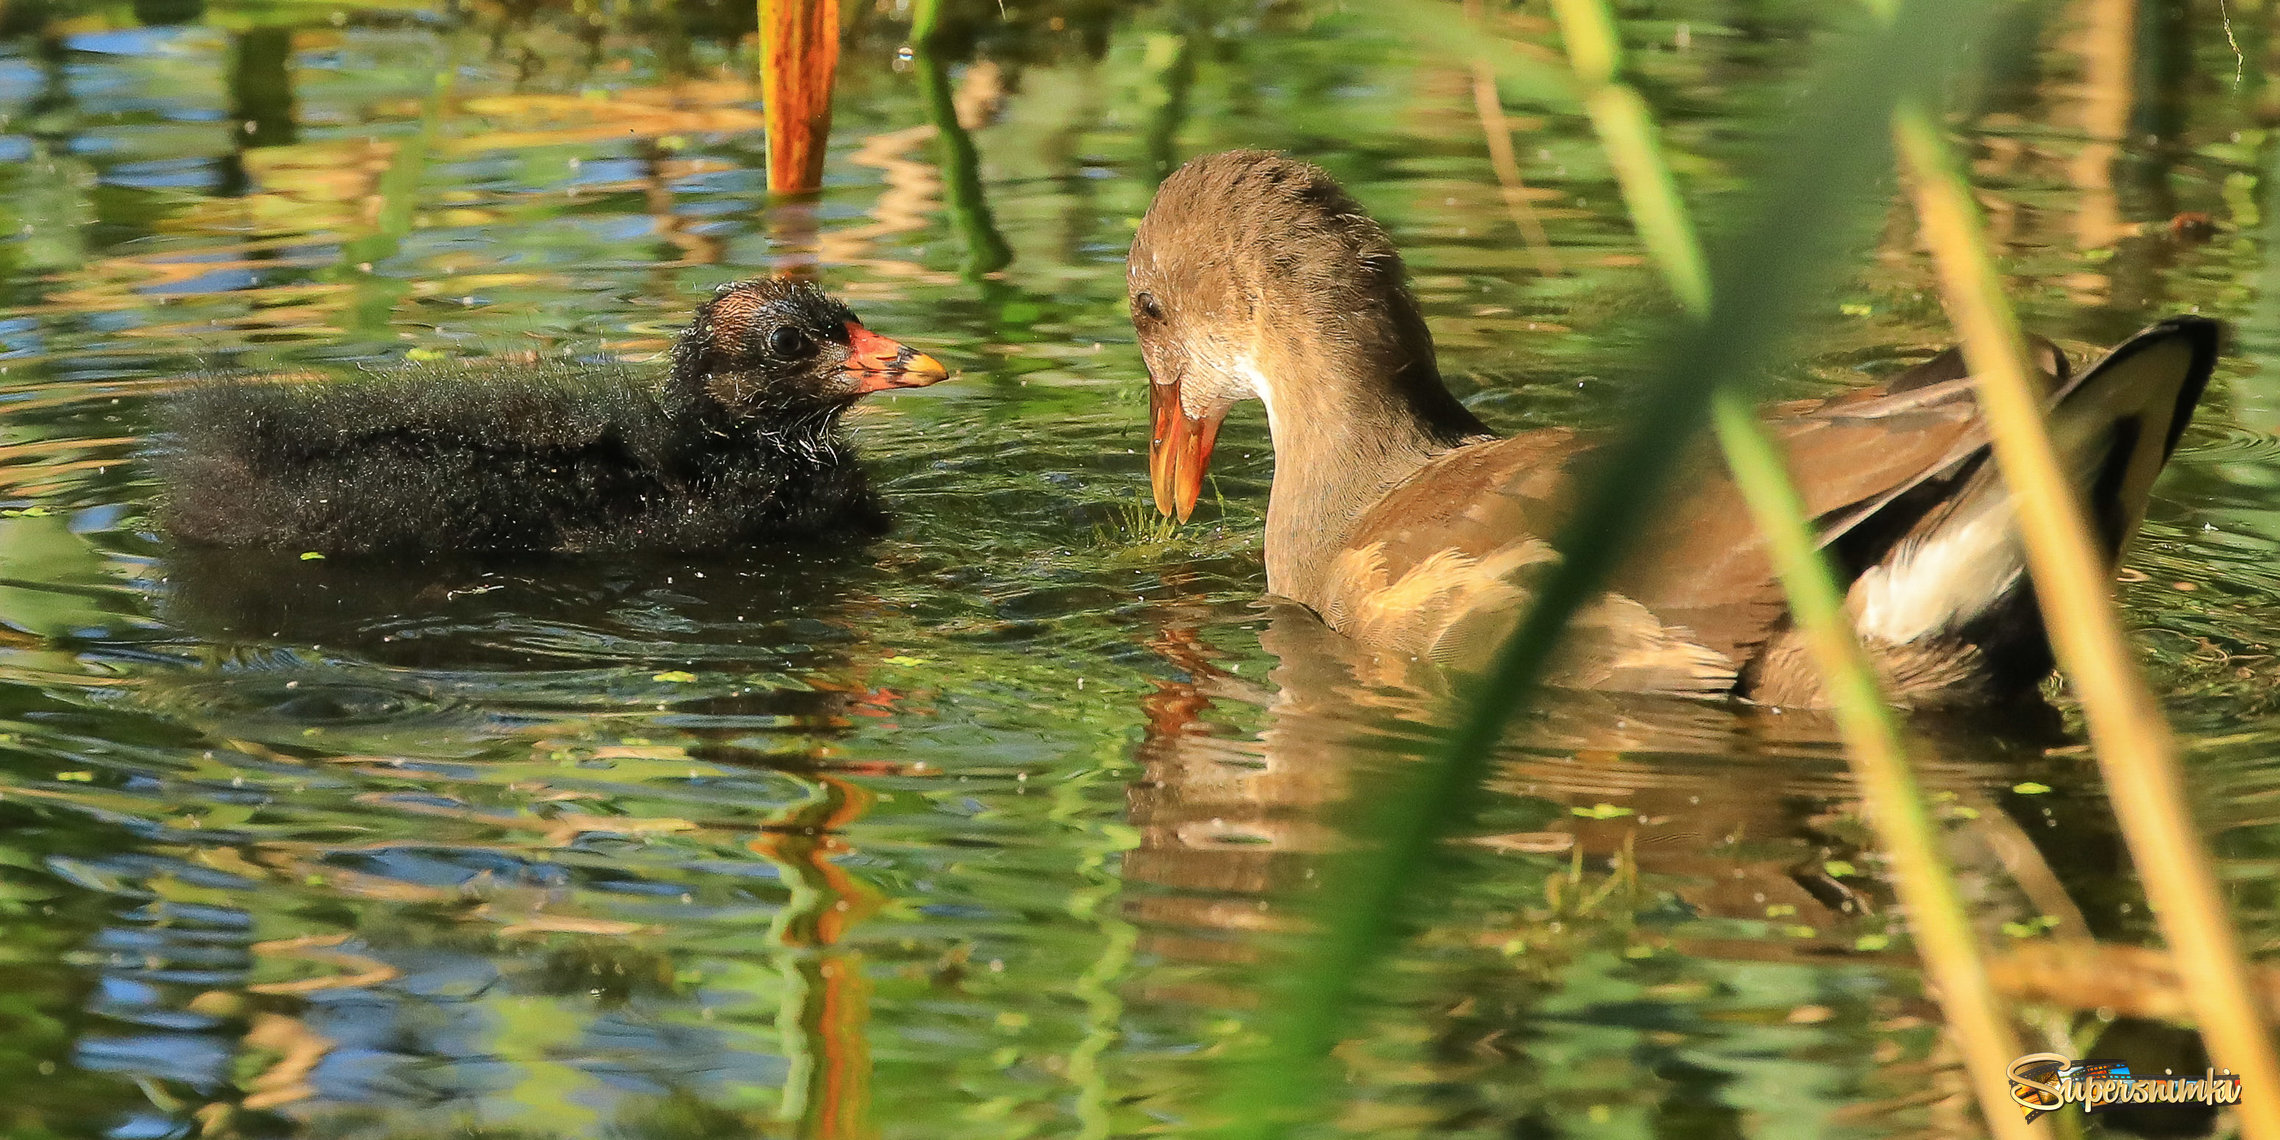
962	193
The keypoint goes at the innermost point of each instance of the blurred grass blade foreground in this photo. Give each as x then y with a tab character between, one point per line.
1813	188
2136	751
1895	803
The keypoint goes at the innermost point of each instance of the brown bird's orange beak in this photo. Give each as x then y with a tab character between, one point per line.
877	364
1180	450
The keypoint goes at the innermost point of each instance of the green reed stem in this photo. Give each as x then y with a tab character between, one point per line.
925	19
1903	820
1904	823
2136	751
1764	277
1626	129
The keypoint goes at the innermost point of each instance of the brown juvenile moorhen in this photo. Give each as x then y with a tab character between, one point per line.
739	444
1399	518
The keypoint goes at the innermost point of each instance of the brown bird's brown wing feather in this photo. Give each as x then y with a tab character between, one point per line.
1442	566
1703	564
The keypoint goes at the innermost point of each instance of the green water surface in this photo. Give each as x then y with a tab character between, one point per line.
996	827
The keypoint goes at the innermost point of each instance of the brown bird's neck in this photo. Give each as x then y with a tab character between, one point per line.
1348	426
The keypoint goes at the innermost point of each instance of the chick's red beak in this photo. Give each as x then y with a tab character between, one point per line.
877	364
1180	450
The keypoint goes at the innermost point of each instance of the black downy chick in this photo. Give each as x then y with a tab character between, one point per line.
739	445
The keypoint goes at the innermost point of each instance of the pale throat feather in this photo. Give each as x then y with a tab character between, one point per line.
1332	463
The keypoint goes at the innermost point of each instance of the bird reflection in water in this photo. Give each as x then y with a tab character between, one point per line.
1687	838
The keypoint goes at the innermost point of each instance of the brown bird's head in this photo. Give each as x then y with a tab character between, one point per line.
1256	276
769	348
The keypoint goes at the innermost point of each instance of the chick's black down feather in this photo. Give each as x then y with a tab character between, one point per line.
505	457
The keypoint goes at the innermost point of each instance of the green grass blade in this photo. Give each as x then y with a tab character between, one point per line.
2137	753
1818	183
1904	823
1626	131
925	20
1905	826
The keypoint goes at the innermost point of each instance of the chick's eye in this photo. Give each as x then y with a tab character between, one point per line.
787	342
1144	305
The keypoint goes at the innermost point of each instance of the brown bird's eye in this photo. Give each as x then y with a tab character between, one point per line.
1145	305
787	343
